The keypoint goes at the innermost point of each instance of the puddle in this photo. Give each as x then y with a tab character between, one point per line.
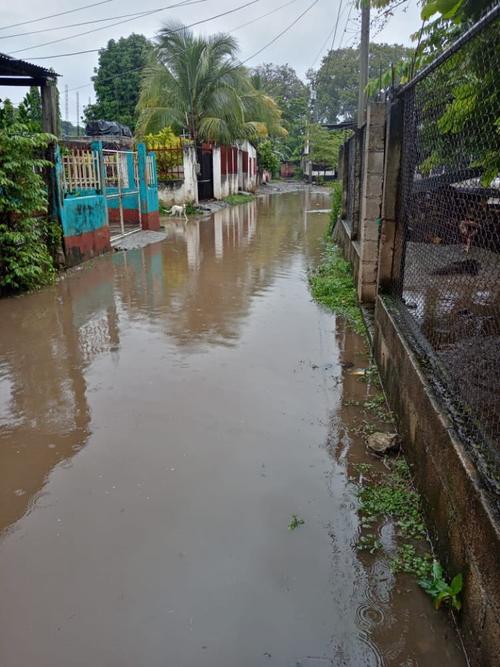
165	411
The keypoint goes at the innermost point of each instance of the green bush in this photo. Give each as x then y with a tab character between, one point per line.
26	237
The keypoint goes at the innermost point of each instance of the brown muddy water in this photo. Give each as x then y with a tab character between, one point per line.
164	412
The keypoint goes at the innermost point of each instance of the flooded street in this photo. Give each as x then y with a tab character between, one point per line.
163	414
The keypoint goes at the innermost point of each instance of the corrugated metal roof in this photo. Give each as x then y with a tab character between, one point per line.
12	67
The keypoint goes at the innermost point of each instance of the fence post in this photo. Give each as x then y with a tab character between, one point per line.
392	169
150	214
216	171
97	147
371	200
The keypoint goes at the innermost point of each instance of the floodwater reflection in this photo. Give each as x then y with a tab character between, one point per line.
164	413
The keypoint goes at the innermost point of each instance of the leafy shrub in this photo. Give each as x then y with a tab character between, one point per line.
168	154
26	237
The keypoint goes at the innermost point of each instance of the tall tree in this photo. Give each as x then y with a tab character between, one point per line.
291	94
117	80
337	80
30	110
196	84
324	146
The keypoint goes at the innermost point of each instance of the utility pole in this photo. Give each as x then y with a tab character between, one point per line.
66	108
363	60
77	114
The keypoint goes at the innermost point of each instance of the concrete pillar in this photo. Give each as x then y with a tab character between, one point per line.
148	196
388	233
217	172
371	201
190	174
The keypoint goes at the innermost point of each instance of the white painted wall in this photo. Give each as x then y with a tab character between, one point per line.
184	192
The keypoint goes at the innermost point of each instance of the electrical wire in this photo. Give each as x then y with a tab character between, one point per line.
280	34
262	16
136	69
184	27
334	29
51	16
109	18
238	27
346	23
110	25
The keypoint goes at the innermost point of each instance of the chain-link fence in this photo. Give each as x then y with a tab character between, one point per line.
353	166
447	273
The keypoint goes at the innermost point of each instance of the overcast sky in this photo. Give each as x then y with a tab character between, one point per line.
299	47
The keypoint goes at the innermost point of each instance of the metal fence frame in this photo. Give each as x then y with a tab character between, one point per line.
422	202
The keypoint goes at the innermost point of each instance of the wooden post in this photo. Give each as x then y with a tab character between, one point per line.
49	106
49	124
392	169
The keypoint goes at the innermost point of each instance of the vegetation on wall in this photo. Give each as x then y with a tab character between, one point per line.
26	236
462	94
336	202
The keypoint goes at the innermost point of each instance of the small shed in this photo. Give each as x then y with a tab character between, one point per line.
15	72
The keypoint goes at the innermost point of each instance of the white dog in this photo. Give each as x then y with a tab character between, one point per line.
177	211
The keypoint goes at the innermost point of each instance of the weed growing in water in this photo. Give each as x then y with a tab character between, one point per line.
295	522
332	285
442	591
234	200
371	376
391	495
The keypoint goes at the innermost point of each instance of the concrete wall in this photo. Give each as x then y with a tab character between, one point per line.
229	184
462	517
249	178
84	214
85	227
185	191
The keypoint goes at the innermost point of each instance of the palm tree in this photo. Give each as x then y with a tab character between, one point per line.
197	84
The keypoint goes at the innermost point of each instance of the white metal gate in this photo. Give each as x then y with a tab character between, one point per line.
122	192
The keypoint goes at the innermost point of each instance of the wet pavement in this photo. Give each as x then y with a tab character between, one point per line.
163	413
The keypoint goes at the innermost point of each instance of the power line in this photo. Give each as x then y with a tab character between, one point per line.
51	16
184	27
280	34
238	27
110	25
334	28
346	23
109	18
262	16
64	55
136	69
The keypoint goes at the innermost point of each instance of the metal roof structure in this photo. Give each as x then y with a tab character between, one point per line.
15	72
